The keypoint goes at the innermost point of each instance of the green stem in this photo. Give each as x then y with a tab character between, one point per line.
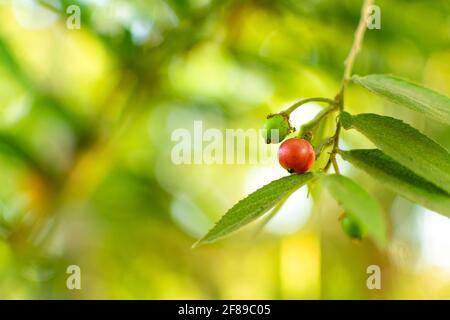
302	102
325	143
348	66
314	122
335	165
357	43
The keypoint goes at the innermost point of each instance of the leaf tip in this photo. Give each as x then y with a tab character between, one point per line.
202	241
197	244
194	245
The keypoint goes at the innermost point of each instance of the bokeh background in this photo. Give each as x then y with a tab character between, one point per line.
86	118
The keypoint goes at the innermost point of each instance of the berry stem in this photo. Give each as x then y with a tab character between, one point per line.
314	122
325	143
303	101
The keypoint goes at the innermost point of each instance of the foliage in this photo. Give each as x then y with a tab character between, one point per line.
408	94
399	178
412	150
255	205
413	155
85	134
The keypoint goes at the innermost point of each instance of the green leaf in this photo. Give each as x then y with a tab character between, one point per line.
405	145
256	204
399	179
408	94
359	204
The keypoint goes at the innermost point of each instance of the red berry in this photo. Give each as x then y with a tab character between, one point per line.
296	155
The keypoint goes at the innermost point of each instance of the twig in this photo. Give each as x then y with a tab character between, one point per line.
348	66
357	42
301	102
335	165
314	122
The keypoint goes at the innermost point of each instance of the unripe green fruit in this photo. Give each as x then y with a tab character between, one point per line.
278	122
352	228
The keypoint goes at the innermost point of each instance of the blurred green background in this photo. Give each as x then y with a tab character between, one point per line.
86	118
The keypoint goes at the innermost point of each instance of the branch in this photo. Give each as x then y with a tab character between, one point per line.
348	66
357	42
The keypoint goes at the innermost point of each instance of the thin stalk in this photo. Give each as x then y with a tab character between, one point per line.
314	122
348	66
302	102
357	43
335	165
325	143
